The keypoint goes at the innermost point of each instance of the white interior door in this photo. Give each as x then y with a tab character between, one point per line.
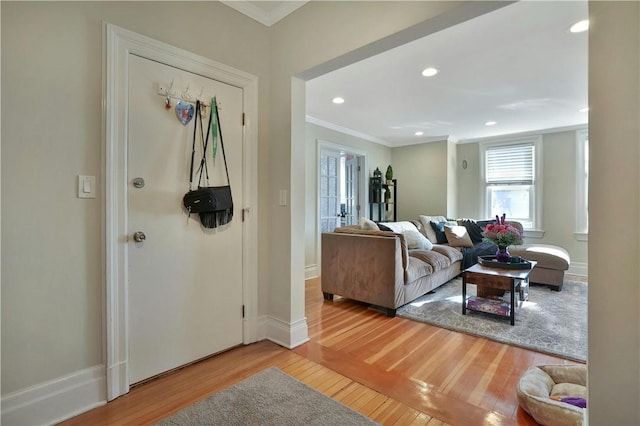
351	190
185	282
329	190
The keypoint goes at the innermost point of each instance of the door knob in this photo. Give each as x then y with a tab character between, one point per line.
139	237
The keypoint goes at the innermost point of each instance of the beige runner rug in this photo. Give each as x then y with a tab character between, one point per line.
270	397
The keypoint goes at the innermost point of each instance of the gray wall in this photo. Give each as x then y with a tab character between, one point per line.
421	171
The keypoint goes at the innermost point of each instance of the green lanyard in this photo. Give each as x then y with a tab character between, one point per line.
214	127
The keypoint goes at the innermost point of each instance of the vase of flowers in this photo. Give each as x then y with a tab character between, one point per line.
502	234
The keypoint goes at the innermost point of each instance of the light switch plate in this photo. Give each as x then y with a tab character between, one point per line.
283	197
86	186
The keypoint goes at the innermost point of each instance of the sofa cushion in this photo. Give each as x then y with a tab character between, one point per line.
417	269
415	240
426	226
437	260
457	236
452	253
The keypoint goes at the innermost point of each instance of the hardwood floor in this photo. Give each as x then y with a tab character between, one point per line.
393	370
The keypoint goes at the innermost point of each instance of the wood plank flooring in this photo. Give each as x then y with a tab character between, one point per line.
393	370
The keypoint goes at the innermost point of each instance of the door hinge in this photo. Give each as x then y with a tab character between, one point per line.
244	211
242	311
358	168
243	118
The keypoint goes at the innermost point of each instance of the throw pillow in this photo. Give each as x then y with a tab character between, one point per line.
400	227
426	226
415	240
473	229
368	224
457	236
438	229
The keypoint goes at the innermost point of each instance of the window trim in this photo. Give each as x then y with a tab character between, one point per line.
536	231
582	217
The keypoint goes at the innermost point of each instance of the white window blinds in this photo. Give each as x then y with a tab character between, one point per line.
510	164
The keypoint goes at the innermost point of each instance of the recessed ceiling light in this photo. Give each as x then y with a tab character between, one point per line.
580	27
585	109
490	123
418	133
337	100
429	72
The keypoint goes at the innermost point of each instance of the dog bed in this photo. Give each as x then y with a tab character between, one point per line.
554	394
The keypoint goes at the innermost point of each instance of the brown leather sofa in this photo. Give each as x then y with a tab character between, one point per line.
377	268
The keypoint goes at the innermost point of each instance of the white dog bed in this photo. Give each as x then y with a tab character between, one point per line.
542	390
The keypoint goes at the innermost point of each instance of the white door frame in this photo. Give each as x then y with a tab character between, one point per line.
118	45
363	192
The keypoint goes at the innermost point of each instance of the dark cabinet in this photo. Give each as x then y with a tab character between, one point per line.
383	200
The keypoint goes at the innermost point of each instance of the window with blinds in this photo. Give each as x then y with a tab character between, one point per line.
510	178
510	164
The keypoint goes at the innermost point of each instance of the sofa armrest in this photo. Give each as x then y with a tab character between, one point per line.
363	267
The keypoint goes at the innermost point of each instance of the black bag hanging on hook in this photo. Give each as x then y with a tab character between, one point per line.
214	204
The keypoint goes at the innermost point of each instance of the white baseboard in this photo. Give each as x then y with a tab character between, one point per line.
60	399
579	268
310	271
286	334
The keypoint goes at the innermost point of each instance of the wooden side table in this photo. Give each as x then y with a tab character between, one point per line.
487	279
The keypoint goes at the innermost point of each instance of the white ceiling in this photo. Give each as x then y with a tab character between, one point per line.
518	66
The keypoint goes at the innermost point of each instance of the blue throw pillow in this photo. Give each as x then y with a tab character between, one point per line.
438	228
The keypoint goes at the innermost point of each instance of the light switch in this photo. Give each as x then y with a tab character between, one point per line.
283	197
86	186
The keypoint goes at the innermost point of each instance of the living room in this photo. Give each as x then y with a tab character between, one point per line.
401	123
421	172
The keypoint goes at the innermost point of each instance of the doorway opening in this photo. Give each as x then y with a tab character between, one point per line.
342	191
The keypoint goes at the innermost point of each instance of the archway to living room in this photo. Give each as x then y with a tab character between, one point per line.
460	159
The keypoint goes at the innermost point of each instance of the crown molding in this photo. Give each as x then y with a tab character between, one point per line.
347	131
265	17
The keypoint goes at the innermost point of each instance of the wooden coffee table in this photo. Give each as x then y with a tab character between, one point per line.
490	281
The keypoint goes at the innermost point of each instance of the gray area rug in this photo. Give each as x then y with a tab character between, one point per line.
270	397
550	322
